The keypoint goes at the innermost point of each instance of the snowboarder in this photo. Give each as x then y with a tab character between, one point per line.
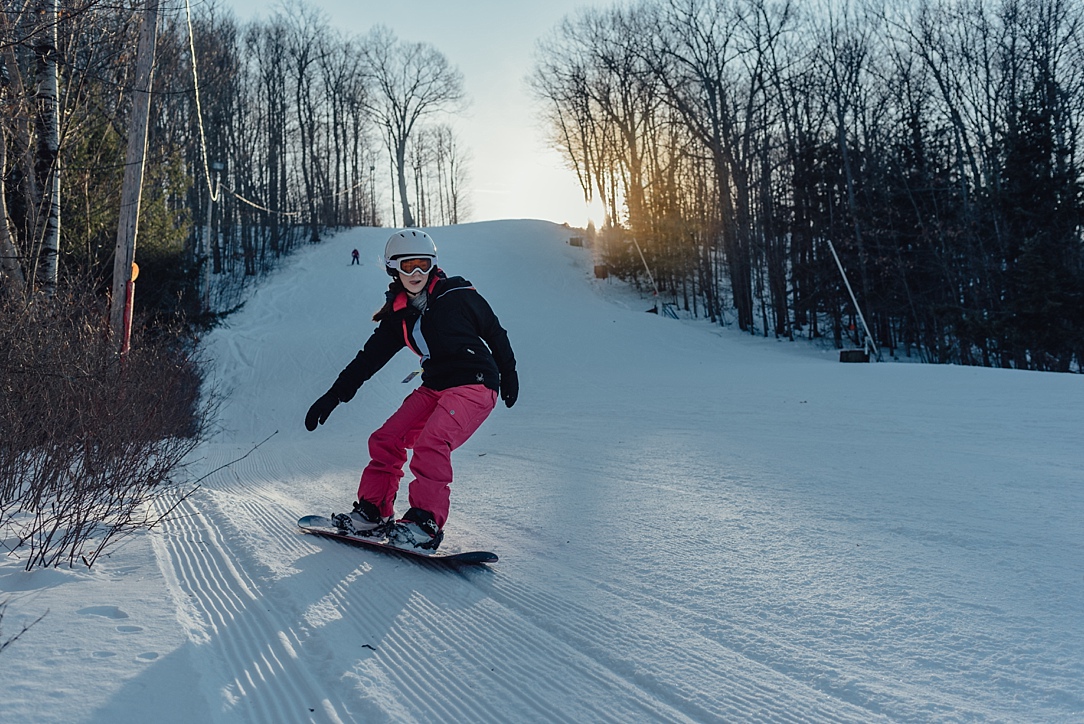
466	362
355	258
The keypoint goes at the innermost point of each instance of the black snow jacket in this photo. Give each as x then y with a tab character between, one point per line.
458	337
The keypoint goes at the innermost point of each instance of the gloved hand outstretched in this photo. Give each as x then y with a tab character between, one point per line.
509	388
320	410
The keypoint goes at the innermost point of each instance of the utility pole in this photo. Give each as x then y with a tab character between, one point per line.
120	313
372	194
394	218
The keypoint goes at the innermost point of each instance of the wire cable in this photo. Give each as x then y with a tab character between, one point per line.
255	205
203	138
199	108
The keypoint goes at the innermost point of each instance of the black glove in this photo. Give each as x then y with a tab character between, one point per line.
320	410
509	388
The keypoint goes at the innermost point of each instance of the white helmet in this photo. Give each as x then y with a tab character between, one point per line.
408	243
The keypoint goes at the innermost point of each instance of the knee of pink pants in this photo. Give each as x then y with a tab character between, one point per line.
432	423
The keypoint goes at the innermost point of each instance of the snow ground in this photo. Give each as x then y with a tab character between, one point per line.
693	524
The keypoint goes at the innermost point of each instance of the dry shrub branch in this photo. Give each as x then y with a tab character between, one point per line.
88	441
4	643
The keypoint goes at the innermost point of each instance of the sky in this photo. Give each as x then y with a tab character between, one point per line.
514	173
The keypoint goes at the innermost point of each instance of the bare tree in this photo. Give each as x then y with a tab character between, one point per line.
410	81
11	268
11	271
308	28
452	173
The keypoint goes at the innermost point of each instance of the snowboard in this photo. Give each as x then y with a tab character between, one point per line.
322	525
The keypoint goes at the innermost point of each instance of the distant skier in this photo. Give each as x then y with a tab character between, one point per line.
466	361
355	258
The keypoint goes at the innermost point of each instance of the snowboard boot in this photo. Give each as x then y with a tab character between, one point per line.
364	520
416	529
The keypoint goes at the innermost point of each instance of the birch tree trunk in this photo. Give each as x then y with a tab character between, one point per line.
48	150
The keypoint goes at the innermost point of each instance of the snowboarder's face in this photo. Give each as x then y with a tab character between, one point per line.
414	283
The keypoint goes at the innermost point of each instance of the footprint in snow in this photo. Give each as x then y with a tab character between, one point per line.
103	611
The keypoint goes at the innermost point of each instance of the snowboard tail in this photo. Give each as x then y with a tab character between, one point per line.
322	525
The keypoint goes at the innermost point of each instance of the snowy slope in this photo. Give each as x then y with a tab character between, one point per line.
693	524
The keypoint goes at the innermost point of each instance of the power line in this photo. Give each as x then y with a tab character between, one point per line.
203	135
199	108
255	205
203	138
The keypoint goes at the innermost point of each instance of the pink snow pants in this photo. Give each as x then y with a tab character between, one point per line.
432	423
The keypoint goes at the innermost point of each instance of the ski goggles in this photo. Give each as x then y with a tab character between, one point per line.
412	265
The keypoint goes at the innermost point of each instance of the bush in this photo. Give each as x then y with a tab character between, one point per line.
92	445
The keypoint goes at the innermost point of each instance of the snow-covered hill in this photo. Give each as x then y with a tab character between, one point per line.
693	524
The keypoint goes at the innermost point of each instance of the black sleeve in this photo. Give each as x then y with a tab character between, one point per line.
493	334
385	341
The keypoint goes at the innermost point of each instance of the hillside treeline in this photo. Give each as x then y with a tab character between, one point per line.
279	130
936	144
